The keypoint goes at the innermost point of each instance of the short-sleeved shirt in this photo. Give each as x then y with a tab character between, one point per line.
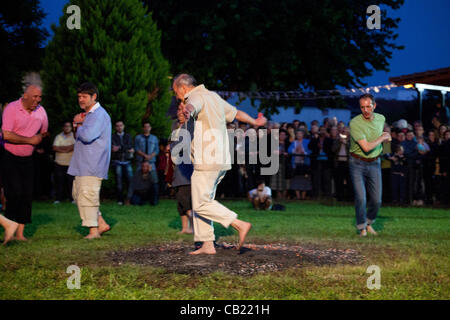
62	140
19	121
210	146
266	192
370	131
148	143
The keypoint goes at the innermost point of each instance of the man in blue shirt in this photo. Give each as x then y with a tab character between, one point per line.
90	160
147	148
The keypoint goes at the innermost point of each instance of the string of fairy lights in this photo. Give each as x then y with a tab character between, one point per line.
299	95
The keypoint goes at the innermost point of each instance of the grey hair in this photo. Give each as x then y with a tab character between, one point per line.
184	79
31	85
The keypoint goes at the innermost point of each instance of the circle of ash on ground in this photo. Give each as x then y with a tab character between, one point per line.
250	260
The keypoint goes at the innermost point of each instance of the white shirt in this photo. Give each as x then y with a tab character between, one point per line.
266	192
210	146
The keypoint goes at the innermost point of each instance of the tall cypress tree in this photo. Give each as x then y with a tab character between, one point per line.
21	37
118	49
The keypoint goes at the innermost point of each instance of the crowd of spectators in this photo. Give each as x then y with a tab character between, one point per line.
314	163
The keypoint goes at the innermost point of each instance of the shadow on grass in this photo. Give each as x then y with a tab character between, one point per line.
37	221
378	225
84	231
219	230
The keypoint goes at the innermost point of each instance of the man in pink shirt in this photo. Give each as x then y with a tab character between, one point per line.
24	124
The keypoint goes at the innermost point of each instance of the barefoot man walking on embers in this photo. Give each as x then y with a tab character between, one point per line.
211	158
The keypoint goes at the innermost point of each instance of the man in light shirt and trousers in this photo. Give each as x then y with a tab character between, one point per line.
90	161
211	158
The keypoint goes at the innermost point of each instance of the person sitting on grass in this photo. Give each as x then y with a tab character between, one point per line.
261	197
141	185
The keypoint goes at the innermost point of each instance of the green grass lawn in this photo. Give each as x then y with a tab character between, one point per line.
412	251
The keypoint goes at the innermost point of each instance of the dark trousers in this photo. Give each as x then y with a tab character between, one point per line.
342	181
411	179
419	192
162	185
321	178
431	183
141	197
398	183
18	178
63	183
444	190
122	170
387	185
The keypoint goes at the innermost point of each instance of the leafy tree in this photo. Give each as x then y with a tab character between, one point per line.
21	37
118	49
275	45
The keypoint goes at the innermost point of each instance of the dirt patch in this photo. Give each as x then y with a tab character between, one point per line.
251	260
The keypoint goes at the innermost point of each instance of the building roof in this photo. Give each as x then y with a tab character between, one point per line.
440	77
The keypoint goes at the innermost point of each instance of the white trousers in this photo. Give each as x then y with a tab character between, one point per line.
206	209
86	193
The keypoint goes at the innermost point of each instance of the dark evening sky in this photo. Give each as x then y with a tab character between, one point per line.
424	31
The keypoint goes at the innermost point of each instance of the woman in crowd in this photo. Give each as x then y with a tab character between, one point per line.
278	181
429	169
301	182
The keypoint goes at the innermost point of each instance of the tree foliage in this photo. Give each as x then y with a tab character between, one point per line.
118	49
275	45
21	37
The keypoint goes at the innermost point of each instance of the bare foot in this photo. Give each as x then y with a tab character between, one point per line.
91	236
102	226
187	231
370	230
21	238
103	229
363	233
10	230
207	248
243	228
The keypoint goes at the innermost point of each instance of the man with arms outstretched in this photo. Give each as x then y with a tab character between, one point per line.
211	158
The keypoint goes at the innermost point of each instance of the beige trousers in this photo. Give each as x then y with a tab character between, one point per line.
206	209
86	193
